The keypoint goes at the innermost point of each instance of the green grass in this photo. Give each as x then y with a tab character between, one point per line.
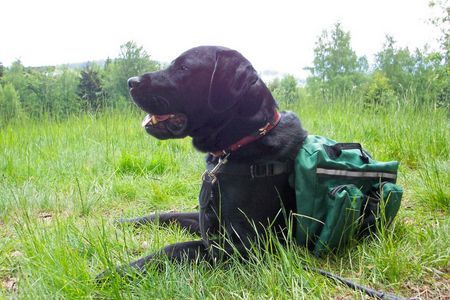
63	183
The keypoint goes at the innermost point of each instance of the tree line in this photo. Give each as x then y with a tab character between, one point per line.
398	76
58	92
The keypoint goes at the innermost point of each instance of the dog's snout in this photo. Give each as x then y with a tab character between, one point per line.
134	82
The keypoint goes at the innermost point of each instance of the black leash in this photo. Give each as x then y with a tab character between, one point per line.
370	292
209	179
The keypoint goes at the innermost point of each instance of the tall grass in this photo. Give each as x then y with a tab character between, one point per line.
63	183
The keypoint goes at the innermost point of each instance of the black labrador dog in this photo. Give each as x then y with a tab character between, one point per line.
214	95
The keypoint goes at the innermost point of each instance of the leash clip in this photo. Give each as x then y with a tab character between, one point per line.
210	175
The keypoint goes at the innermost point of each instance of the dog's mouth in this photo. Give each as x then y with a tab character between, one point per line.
166	126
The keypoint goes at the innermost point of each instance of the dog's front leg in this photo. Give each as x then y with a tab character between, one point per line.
188	221
179	252
193	251
183	252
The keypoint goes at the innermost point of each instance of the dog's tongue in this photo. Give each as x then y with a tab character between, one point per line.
154	119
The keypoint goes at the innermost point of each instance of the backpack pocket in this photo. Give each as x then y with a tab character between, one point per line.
391	199
344	206
380	205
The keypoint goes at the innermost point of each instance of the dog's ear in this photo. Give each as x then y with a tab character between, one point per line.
230	80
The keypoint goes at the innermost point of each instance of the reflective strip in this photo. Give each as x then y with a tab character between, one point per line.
355	173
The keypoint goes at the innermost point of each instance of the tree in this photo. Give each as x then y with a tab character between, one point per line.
132	61
397	64
64	82
378	92
9	104
2	70
44	90
336	68
420	76
26	87
90	88
442	22
287	92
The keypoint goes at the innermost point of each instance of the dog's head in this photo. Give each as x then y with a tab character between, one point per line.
200	94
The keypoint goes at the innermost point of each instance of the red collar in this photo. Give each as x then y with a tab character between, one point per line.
250	138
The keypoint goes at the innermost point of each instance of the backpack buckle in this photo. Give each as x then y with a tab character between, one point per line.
258	171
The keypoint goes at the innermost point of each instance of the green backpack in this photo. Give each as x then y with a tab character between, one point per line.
341	193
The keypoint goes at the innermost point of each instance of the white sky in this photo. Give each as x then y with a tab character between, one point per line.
273	35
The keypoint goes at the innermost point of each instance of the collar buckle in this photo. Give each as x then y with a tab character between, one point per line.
265	129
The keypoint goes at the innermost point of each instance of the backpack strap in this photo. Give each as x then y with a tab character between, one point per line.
255	170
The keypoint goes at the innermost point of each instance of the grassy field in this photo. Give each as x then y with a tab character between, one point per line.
63	183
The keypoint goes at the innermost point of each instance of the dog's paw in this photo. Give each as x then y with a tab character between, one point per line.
103	277
122	221
122	273
136	222
126	272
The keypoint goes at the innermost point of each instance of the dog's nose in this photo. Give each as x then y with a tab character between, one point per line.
134	82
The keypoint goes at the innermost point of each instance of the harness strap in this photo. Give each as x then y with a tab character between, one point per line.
255	170
209	180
